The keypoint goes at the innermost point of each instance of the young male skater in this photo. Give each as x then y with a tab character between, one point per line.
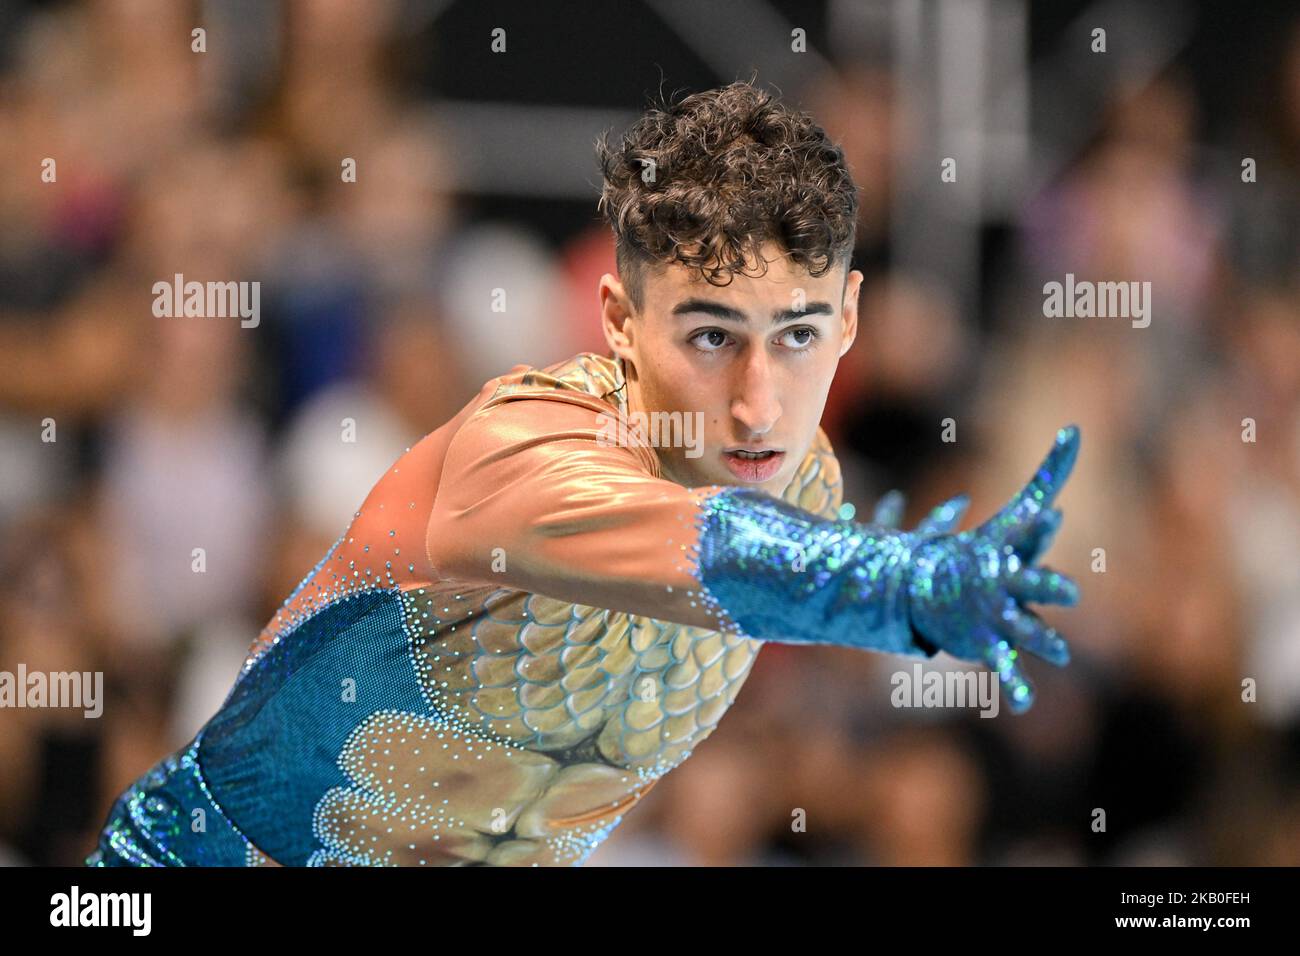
547	603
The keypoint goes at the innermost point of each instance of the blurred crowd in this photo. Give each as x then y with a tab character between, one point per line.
1184	538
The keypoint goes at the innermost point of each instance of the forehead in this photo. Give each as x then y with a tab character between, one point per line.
782	279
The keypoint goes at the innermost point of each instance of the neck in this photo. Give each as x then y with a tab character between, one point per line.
634	402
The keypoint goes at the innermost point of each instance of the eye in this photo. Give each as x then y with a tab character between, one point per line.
717	346
810	335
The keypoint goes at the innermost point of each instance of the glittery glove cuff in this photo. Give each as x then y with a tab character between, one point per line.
786	575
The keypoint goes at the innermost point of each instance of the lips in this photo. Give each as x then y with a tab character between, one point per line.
754	469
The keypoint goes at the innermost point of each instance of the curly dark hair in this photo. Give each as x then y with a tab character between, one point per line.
708	181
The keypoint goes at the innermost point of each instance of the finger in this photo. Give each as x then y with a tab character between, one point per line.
1043	487
946	517
1041	585
1032	539
1004	660
1025	629
889	509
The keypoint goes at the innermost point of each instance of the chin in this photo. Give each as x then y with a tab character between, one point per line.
774	487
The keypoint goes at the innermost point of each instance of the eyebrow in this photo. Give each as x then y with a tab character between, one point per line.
727	314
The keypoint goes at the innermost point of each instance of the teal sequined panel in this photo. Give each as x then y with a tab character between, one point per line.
280	732
167	818
286	721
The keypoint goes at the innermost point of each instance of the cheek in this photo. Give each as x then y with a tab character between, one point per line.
811	391
690	398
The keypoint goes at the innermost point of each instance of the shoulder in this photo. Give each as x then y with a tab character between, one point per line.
585	379
533	409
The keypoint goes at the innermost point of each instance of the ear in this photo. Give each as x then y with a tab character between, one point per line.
850	310
615	310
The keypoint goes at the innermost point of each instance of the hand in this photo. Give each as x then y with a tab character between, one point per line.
965	590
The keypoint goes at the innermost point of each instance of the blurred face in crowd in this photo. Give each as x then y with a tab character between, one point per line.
755	358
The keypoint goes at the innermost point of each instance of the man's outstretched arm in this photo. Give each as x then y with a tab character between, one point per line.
531	498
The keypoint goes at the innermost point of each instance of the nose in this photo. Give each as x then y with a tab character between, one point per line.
756	406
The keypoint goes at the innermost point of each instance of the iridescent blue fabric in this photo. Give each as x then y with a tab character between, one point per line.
785	575
168	818
343	664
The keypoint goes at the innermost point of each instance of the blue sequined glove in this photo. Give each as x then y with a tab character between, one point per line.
783	574
965	590
941	520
